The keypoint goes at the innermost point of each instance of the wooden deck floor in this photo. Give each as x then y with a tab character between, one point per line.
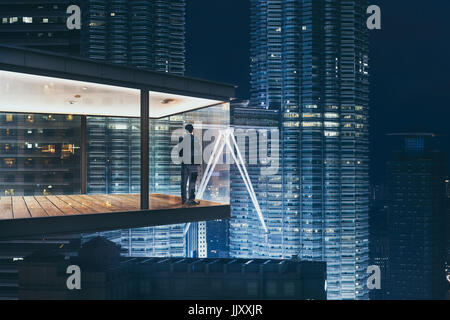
41	216
18	207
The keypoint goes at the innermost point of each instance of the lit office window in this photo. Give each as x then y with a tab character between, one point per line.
27	20
311	124
48	149
292	124
331	115
331	134
330	124
13	19
67	151
312	115
9	163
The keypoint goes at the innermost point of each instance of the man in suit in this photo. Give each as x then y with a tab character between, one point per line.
189	153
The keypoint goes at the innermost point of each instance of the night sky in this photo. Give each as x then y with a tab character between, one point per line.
410	63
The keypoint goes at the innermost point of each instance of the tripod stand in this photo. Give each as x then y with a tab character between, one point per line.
226	139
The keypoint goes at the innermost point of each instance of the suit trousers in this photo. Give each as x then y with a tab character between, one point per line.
189	174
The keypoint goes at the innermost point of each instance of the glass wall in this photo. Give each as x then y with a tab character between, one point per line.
39	154
114	167
114	153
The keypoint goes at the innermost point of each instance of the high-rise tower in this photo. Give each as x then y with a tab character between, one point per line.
142	33
309	60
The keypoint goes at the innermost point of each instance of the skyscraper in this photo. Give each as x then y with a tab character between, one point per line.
309	60
141	33
416	218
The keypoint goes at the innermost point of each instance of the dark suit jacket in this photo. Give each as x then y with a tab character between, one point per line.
195	149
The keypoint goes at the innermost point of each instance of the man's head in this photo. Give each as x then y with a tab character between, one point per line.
189	128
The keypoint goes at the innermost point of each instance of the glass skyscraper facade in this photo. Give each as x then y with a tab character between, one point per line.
309	61
142	33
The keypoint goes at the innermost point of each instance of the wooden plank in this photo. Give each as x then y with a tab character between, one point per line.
6	208
163	201
106	204
86	201
34	207
157	201
20	210
63	206
133	200
122	202
78	206
48	206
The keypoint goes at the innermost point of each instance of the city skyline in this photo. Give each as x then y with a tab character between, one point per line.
309	74
402	86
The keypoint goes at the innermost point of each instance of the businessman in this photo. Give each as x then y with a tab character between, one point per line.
190	154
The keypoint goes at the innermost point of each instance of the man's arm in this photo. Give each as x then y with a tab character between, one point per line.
197	151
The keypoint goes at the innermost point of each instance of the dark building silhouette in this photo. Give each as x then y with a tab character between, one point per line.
43	274
217	239
416	218
12	253
38	25
447	232
379	239
105	275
